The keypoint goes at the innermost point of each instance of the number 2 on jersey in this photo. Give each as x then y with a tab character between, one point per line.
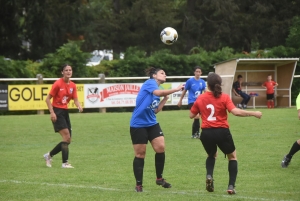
212	112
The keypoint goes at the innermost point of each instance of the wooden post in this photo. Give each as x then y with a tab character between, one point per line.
39	81
102	80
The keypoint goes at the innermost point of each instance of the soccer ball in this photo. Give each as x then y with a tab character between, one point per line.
168	35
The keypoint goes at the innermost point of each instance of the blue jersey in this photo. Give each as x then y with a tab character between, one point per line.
146	103
195	88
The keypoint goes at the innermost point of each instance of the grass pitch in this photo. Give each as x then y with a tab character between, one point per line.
102	155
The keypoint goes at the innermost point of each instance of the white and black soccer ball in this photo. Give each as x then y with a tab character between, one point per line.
168	35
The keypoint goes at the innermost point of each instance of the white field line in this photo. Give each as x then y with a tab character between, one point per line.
197	193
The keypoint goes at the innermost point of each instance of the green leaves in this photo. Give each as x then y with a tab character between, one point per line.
69	53
14	69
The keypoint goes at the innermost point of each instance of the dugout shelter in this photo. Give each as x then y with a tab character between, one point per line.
255	72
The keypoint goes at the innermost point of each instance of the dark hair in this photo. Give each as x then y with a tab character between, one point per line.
152	70
64	66
239	76
214	82
197	67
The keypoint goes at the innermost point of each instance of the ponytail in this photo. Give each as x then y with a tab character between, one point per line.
214	82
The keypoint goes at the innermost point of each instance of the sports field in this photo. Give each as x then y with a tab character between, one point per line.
102	155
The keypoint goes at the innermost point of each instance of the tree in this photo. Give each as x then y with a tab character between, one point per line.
293	39
43	25
69	53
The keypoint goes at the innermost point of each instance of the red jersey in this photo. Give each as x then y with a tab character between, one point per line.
270	86
213	110
62	93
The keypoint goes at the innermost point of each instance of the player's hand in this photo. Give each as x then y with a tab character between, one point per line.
179	104
53	117
180	87
80	109
258	114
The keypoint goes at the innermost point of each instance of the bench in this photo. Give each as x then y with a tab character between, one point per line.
244	84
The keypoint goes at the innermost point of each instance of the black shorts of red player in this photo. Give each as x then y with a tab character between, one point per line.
212	138
62	120
270	96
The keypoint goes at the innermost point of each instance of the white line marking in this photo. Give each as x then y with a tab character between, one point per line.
203	193
61	185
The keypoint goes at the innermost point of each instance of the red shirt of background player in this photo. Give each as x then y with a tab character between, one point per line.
213	110
62	93
270	86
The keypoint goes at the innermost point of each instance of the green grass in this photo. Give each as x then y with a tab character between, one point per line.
102	155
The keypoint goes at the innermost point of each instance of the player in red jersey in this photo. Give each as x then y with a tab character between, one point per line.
269	85
213	106
63	90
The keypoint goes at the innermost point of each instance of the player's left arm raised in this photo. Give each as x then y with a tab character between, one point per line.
161	104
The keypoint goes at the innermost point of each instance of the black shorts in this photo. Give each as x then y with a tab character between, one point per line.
145	134
62	121
213	137
270	96
190	105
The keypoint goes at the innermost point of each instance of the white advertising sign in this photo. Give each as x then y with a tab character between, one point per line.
122	94
110	95
176	95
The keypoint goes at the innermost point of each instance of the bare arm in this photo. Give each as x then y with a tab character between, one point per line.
192	115
50	108
165	92
161	104
235	92
76	102
181	97
299	114
245	113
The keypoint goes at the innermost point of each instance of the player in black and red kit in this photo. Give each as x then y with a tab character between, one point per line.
269	85
63	90
213	106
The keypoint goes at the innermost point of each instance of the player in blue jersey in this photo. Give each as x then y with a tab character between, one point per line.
144	127
195	86
296	145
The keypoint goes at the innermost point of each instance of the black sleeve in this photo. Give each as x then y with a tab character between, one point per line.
234	85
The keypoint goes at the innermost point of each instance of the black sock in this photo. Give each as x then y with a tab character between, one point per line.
56	149
65	151
294	149
138	169
159	164
196	126
233	170
210	164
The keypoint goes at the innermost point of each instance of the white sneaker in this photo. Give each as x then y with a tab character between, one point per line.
239	106
48	159
66	165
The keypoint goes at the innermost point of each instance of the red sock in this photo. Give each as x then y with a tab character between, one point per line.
272	104
268	104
